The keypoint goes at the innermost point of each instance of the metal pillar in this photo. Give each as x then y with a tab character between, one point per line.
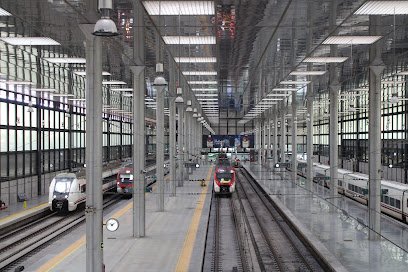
93	151
180	144
334	87
309	141
294	137
160	147
172	146
374	134
139	212
275	138
259	130
264	142
268	150
283	132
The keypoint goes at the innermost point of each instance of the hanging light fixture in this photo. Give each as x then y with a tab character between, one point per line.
105	26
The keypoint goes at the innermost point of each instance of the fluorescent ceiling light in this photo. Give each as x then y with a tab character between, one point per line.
63	95
326	59
205	90
189	39
392	81
360	89
272	99
10	82
294	82
285	89
113	82
278	95
206	95
207	99
66	60
202	82
195	59
76	99
383	8
179	7
200	73
43	90
4	12
83	73
29	41
122	89
128	95
307	73
351	39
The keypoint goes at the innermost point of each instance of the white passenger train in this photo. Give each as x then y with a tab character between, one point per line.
394	195
68	190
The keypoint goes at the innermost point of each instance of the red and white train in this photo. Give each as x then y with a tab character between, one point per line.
224	181
394	195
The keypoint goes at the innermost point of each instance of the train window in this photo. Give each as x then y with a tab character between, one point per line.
340	183
349	186
386	200
398	204
392	201
382	198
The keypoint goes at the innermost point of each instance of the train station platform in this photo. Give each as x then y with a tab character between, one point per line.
344	234
175	238
18	211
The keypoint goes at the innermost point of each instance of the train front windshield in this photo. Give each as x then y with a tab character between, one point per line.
63	185
126	179
225	176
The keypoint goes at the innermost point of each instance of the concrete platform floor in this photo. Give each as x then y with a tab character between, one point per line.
342	235
174	239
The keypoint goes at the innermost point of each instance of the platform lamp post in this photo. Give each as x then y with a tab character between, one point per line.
180	127
104	27
160	84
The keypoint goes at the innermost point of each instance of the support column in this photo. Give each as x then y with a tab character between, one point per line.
275	137
283	132
180	144
160	147
334	88
374	134
264	142
259	130
93	151
268	150
309	141
139	138
172	146
294	137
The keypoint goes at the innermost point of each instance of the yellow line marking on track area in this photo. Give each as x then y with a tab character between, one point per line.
23	212
187	250
75	246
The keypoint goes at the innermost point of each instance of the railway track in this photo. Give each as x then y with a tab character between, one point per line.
275	245
23	241
223	244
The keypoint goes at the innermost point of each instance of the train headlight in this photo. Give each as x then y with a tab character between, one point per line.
66	196
54	196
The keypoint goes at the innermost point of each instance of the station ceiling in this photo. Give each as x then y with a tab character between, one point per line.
251	46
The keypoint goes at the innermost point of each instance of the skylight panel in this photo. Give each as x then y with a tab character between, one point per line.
195	59
113	82
205	90
179	7
189	39
83	73
202	82
4	12
325	59
200	73
29	41
351	39
122	89
383	8
66	60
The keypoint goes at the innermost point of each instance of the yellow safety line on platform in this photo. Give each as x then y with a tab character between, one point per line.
72	248
23	212
187	250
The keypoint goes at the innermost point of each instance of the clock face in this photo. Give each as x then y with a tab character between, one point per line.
112	224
